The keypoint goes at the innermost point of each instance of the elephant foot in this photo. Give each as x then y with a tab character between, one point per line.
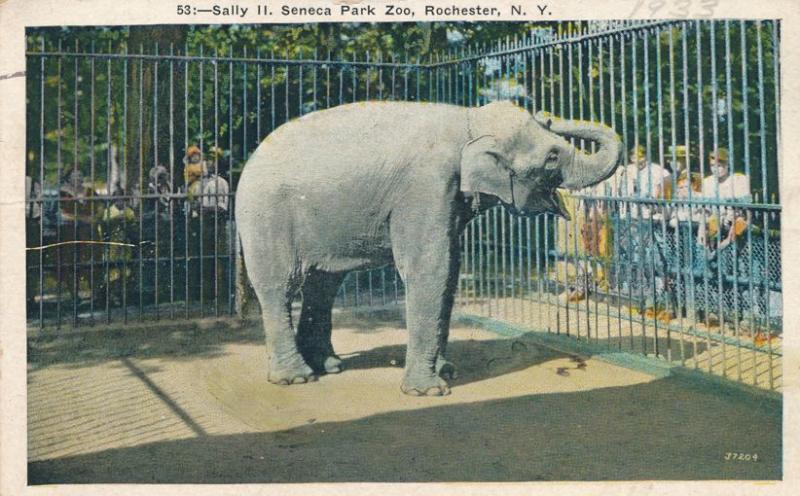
425	386
323	362
294	371
445	369
333	364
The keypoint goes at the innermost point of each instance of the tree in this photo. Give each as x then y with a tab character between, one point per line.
139	152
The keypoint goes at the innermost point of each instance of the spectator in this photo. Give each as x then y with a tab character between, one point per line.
159	231
722	225
207	203
640	256
596	244
160	184
721	185
685	254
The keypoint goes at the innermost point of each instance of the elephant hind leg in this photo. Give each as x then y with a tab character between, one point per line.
275	278
314	329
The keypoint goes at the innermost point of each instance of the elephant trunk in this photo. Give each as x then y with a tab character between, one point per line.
586	169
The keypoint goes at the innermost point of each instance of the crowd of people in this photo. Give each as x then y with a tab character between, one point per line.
100	225
675	235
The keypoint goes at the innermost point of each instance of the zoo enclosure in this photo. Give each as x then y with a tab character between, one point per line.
117	250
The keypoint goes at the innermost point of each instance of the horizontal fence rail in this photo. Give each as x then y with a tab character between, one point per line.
662	259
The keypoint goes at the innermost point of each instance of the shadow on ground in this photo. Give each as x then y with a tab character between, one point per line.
186	340
178	340
475	360
658	430
182	341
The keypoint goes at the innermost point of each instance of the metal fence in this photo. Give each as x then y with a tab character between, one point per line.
667	262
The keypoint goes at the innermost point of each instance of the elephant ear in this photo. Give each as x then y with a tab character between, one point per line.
484	169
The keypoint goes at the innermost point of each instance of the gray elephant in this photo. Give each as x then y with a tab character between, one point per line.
366	184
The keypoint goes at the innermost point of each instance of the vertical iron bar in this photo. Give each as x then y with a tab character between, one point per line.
615	206
233	245
732	165
59	178
640	248
715	146
172	182
680	297
92	174
272	112
626	206
746	152
776	61
565	262
155	164
140	184
689	278
701	143
42	181
664	209
258	98
764	185
653	184
201	240
215	260
184	197
79	194
124	173
111	188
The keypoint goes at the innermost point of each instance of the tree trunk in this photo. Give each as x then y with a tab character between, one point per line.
140	154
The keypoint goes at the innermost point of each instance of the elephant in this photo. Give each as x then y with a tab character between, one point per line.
367	184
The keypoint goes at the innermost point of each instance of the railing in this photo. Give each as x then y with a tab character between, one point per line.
666	284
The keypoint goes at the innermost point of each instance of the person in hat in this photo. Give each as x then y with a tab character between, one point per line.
724	186
721	227
207	208
683	251
638	257
192	173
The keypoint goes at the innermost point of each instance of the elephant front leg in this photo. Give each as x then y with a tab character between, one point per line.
430	287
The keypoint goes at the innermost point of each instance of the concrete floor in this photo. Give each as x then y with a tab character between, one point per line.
190	403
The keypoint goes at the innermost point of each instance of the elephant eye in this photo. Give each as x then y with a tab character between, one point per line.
552	157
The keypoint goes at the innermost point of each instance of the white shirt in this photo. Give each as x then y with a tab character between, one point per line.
215	191
641	183
734	188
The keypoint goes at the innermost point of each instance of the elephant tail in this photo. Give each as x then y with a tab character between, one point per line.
244	291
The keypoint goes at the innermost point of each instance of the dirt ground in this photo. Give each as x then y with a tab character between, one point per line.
162	404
